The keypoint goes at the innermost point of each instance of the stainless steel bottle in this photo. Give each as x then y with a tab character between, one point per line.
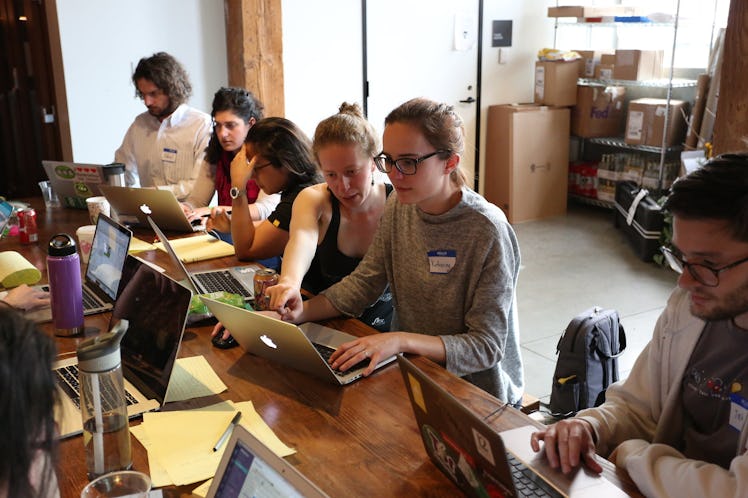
106	433
65	290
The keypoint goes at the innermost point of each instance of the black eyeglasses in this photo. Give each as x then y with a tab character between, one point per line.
405	165
703	274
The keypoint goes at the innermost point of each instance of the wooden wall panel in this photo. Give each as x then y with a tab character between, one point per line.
254	42
731	125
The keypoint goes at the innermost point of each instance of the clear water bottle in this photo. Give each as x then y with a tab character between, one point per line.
65	290
106	433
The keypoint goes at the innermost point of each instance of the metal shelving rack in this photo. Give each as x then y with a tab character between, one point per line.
668	83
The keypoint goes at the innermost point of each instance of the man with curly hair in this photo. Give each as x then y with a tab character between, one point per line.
164	147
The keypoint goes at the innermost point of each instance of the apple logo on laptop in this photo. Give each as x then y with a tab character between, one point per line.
268	341
145	209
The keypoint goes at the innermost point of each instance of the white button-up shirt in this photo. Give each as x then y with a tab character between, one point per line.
165	154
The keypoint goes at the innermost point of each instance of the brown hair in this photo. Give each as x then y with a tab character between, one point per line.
164	71
348	126
440	124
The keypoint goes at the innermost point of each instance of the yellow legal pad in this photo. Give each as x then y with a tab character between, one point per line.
199	248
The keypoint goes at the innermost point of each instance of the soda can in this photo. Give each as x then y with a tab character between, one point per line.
27	230
264	278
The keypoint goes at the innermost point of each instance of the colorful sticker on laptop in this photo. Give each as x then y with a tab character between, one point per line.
483	445
415	388
441	261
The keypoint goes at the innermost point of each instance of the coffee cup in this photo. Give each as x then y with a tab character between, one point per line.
85	236
97	205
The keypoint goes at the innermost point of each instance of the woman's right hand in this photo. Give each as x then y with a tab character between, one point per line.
286	301
220	329
219	220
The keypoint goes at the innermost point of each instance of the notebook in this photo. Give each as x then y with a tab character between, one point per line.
475	457
236	279
102	278
164	206
305	347
156	308
75	182
249	468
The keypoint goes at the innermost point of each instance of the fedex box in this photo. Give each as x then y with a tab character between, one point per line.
645	123
556	82
599	111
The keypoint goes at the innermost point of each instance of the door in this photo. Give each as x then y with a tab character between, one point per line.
424	48
28	124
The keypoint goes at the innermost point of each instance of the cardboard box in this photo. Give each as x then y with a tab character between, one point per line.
599	111
581	11
556	82
527	160
645	122
590	59
638	64
608	58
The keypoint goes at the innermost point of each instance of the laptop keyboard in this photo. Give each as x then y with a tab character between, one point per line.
325	352
89	301
527	482
67	379
221	281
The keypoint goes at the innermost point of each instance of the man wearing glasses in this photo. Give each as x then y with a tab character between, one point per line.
679	423
164	147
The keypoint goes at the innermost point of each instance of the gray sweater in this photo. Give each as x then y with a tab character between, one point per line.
454	276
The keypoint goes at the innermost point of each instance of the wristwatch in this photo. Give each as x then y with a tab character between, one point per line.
235	193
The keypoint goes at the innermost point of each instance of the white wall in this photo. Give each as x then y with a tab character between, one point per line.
513	80
102	43
322	58
323	64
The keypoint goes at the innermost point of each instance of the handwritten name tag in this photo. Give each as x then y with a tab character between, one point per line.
442	261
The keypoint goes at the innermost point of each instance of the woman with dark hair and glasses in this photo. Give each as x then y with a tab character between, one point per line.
27	425
234	112
450	257
278	157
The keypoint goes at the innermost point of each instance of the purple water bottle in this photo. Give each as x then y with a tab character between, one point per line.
65	290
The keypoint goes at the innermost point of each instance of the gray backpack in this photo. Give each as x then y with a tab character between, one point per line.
587	361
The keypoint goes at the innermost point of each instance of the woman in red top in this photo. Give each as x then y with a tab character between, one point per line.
235	111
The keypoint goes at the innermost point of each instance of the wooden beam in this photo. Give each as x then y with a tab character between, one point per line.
254	42
731	124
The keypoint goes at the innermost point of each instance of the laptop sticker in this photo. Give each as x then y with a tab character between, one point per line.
483	446
442	261
415	387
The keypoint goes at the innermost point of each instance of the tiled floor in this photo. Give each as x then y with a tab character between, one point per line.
571	263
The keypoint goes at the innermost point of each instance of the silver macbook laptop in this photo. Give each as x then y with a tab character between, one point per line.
156	308
249	468
165	208
75	182
474	456
236	279
305	347
102	278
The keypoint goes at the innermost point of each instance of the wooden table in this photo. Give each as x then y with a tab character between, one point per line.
358	440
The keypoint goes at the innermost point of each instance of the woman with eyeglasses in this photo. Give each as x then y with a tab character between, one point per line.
234	112
333	223
278	157
450	257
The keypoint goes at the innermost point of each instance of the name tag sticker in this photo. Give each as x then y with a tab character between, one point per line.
442	261
169	155
738	411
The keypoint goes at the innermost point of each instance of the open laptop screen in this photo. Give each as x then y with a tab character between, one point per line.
156	307
108	253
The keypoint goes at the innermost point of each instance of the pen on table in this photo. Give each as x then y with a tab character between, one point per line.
227	432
